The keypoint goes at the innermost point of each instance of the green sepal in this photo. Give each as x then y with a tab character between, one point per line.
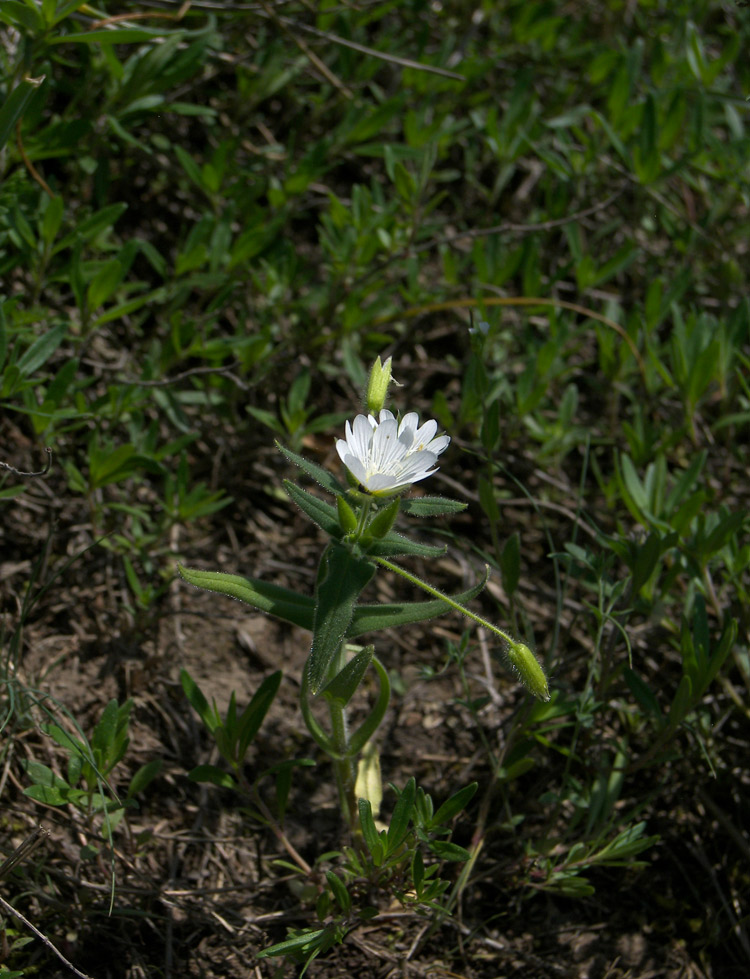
384	520
316	472
347	516
342	687
282	602
320	512
341	577
371	618
431	506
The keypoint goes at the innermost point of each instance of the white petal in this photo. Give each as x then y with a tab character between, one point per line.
359	438
355	467
438	445
424	435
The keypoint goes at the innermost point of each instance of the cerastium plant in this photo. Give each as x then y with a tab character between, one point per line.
383	456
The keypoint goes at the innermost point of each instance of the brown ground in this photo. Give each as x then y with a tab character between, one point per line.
197	893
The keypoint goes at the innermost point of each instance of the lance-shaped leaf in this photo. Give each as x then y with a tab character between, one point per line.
253	715
402	813
394	544
371	618
282	602
454	805
320	512
431	506
13	107
320	475
342	687
341	578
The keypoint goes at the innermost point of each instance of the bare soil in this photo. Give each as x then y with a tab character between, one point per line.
197	892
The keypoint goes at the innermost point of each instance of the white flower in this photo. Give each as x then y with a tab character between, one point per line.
386	456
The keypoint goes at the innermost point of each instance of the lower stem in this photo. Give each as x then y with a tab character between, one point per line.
343	766
343	763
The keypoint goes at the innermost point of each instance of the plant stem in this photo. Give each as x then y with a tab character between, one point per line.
364	513
343	763
435	592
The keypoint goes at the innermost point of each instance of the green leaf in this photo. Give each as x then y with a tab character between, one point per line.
65	9
682	702
431	506
18	14
13	107
65	740
104	283
417	871
283	772
320	512
120	35
642	693
343	898
401	817
144	777
646	158
299	943
189	165
369	832
104	732
454	805
727	527
342	577
281	602
686	482
648	554
320	475
198	702
393	545
343	686
253	715
449	851
92	226
209	773
52	220
41	350
49	795
372	618
43	775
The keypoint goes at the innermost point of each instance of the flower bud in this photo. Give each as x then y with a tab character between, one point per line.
528	668
377	387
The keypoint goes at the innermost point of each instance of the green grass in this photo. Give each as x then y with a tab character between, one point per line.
211	225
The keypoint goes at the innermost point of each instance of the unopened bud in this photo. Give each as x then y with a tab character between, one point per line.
528	668
377	387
